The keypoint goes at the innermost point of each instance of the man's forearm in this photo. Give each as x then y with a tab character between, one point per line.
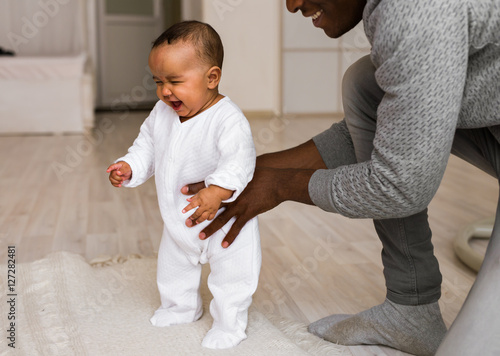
304	156
294	185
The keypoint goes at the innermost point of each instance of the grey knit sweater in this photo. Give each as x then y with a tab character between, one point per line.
438	62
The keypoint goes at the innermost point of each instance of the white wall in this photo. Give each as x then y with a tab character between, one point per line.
250	31
191	10
314	64
279	62
4	25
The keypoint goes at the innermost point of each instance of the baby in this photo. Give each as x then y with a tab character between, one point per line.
196	134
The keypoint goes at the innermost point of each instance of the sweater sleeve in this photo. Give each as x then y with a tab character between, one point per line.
420	50
141	155
236	164
335	146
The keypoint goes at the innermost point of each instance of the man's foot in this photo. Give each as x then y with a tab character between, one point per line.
414	329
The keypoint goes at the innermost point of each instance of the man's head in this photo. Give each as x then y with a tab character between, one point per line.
335	17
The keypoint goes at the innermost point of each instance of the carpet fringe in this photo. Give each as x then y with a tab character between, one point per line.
308	342
295	331
43	300
107	260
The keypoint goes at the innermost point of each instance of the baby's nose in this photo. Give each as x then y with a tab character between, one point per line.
166	91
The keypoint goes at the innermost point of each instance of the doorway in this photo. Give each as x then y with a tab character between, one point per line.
127	28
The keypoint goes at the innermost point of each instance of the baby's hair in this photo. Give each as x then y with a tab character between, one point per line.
205	39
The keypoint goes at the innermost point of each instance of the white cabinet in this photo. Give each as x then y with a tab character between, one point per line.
313	65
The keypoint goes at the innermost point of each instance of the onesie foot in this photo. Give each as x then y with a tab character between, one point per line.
165	317
219	339
162	317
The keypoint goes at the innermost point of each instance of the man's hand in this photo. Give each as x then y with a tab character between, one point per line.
208	201
269	188
279	176
118	173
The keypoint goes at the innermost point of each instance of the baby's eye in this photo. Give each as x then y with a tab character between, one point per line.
158	83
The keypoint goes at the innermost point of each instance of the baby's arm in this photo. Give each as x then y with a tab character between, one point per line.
140	158
208	201
119	172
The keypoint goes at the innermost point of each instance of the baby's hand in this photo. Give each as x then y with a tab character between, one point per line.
208	201
118	173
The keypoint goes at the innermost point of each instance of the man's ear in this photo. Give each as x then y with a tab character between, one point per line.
213	76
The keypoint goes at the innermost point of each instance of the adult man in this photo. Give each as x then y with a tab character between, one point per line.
431	86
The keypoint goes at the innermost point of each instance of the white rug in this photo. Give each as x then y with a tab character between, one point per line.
66	306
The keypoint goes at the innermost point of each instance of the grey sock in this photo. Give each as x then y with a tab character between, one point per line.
414	329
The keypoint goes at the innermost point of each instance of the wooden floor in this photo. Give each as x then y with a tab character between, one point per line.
55	195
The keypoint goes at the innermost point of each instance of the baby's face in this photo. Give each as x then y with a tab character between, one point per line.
181	78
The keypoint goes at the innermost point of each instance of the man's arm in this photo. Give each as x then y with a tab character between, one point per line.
269	188
304	156
278	177
422	70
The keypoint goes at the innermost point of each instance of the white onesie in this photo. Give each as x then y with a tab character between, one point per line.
216	146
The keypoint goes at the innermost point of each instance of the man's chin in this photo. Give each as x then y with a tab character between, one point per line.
332	33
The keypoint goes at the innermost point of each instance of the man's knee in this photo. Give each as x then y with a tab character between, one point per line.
360	91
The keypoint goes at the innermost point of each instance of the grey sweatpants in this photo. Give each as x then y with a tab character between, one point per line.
410	268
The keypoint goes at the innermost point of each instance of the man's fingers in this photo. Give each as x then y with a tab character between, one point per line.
190	223
192	189
233	233
195	216
202	218
216	224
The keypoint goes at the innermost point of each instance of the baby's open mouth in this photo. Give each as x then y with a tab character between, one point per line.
176	105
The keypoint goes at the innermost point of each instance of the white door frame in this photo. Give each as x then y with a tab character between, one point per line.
103	97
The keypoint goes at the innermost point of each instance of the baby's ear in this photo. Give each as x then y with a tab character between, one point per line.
214	75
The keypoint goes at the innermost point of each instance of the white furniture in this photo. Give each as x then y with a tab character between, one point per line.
314	65
45	95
